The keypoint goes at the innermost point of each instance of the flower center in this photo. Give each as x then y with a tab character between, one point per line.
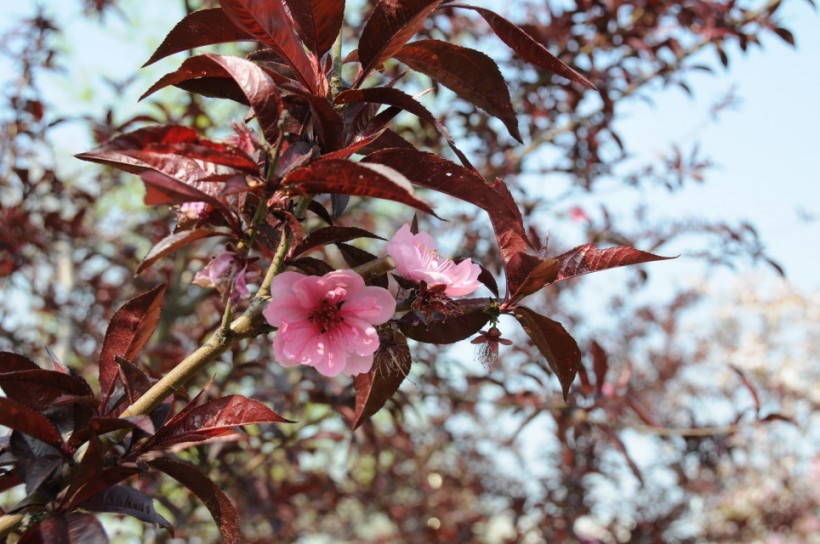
433	260
326	316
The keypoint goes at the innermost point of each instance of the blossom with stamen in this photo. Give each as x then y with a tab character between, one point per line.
417	259
327	322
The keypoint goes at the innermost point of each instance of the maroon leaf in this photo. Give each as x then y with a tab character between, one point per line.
89	468
390	25
329	125
211	419
256	85
351	178
129	330
27	421
399	99
443	330
167	176
470	74
134	381
434	172
525	46
554	343
330	235
121	499
588	258
391	363
172	243
104	479
36	461
10	362
318	22
269	22
10	478
199	28
217	153
214	499
39	389
779	417
102	425
354	257
526	274
600	364
66	528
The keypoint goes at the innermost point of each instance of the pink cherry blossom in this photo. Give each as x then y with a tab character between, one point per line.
327	322
417	259
225	273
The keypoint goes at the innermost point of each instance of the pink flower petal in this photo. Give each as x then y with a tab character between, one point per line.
372	304
358	364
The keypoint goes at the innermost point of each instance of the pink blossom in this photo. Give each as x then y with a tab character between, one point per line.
225	273
327	322
417	259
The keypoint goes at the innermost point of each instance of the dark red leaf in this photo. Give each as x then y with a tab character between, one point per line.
104	479
785	35
66	528
88	468
486	277
10	478
27	421
256	85
129	330
121	499
103	425
391	364
434	172
173	242
526	274
10	362
134	381
269	22
329	125
351	178
218	153
390	25
554	343
600	364
211	419
167	176
39	389
39	464
470	74
214	499
318	22
330	235
779	417
441	330
199	28
588	258
525	46
311	266
399	99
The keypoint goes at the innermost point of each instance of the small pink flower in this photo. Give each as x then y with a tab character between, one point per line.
327	322
417	259
225	273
